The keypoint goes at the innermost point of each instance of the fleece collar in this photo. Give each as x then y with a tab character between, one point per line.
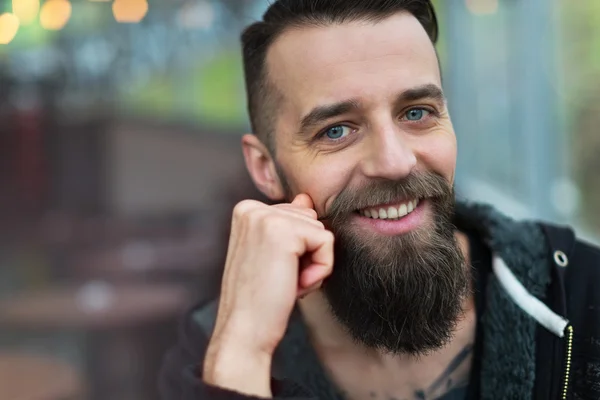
508	364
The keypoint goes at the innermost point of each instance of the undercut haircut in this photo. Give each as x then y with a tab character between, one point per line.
262	97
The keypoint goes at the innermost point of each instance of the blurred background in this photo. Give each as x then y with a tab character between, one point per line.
120	163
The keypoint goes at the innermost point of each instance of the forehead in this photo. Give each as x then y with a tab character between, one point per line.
370	61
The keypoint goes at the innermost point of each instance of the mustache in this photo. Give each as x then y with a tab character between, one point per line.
417	185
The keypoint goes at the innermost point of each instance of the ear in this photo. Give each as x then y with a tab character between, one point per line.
261	167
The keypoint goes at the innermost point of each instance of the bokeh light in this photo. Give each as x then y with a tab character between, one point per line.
130	11
26	10
482	7
9	25
200	15
55	14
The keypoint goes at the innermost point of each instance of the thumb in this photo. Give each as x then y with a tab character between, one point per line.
303	200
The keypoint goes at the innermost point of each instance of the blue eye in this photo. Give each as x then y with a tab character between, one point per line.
337	132
417	114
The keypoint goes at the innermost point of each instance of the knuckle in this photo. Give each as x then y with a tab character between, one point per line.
244	208
309	212
328	236
318	224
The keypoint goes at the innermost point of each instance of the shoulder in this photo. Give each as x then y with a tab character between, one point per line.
196	326
575	271
194	332
203	316
588	256
582	281
576	259
576	274
583	299
583	272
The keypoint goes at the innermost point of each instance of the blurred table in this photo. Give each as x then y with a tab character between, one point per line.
145	261
27	377
115	319
92	307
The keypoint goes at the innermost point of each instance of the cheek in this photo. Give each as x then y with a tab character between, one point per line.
438	153
321	179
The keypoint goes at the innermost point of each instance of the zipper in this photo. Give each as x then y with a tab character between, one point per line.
569	332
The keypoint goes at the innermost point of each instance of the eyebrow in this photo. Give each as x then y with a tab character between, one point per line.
429	91
322	113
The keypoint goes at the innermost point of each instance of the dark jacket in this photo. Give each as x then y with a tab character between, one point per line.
541	323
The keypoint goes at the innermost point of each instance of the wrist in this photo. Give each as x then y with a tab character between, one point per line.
232	365
245	333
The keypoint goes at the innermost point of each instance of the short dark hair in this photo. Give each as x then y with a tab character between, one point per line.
283	14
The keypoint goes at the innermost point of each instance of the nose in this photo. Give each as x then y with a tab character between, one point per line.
389	154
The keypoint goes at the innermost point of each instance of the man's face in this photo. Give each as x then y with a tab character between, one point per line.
360	104
363	129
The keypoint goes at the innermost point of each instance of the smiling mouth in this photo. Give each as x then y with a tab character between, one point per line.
390	211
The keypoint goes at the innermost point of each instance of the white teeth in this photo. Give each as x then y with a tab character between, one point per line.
403	210
415	203
392	212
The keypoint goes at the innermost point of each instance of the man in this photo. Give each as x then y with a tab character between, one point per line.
367	281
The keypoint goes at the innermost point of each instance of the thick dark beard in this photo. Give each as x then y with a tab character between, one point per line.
402	294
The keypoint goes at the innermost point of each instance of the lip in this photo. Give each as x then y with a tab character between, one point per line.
400	226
